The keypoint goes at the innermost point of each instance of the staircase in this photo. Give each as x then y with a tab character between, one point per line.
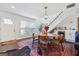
60	17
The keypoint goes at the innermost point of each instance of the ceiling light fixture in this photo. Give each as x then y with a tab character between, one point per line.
12	6
46	15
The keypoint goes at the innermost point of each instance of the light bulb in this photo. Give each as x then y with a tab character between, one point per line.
45	16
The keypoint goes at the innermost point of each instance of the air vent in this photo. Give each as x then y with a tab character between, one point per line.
71	5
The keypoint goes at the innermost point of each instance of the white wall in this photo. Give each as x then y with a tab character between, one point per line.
9	32
0	28
70	21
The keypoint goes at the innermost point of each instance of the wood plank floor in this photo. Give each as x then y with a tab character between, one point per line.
68	49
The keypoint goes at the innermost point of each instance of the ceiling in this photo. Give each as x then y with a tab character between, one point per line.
33	10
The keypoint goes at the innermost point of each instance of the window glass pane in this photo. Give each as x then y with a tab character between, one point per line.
8	21
27	28
22	32
24	24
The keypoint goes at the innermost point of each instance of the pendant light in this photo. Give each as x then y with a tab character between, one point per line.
46	15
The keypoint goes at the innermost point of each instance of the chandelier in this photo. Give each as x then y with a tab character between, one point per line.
45	15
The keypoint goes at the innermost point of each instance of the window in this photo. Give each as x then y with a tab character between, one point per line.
26	28
22	32
7	21
23	24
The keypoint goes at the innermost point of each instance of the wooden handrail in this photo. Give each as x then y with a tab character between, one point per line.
68	6
55	18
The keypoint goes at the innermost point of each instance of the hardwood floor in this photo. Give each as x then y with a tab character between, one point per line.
68	49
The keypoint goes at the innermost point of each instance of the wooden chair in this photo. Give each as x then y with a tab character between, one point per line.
34	40
55	44
43	47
